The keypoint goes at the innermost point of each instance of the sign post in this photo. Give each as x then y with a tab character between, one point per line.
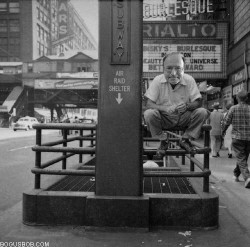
119	142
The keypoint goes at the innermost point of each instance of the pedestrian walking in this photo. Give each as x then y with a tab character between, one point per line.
174	100
239	117
227	139
215	120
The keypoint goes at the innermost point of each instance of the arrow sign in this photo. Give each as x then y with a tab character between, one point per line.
119	99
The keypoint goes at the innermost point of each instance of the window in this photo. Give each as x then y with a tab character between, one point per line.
39	48
3	7
60	66
14	41
3	59
38	13
14	26
3	26
45	35
30	67
3	41
46	50
38	31
14	59
42	34
14	7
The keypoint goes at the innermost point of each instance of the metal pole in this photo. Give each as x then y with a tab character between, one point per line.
64	161
80	145
92	141
191	163
38	158
183	160
206	160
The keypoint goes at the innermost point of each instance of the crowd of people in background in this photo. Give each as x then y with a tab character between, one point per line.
220	141
231	129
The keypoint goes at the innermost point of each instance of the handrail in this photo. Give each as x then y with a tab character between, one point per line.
65	126
66	151
174	150
86	150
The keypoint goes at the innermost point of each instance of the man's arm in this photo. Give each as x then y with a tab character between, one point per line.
226	122
194	105
152	105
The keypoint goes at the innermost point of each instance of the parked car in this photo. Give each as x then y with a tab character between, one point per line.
25	123
84	120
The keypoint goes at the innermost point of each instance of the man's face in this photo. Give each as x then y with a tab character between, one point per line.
173	68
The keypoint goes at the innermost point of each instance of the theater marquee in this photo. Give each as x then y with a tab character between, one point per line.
199	57
203	43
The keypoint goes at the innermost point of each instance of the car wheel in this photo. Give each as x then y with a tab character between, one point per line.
14	129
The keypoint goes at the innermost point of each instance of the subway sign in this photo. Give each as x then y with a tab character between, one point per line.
199	57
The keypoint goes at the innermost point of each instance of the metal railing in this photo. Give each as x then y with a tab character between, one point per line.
40	168
67	152
177	150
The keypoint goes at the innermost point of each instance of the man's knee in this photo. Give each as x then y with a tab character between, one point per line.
150	114
202	113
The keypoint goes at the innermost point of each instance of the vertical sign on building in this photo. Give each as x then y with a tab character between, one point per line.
63	18
120	15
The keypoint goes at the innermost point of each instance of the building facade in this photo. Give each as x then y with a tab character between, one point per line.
239	47
32	28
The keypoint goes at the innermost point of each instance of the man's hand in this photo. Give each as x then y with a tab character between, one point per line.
180	108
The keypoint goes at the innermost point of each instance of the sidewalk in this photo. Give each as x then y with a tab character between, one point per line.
234	218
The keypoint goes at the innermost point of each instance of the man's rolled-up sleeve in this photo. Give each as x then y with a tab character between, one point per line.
153	91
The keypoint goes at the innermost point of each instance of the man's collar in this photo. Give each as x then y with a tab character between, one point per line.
164	80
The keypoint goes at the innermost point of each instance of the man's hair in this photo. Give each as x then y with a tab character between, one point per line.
228	105
173	53
242	95
216	105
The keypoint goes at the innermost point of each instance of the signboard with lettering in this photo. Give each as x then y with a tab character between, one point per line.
66	84
158	9
179	30
227	93
237	88
238	77
63	18
78	75
120	31
198	57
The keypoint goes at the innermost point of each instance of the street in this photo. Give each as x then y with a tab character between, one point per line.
17	159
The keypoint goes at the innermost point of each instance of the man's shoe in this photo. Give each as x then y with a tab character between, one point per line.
247	183
186	144
236	179
218	155
230	156
162	149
